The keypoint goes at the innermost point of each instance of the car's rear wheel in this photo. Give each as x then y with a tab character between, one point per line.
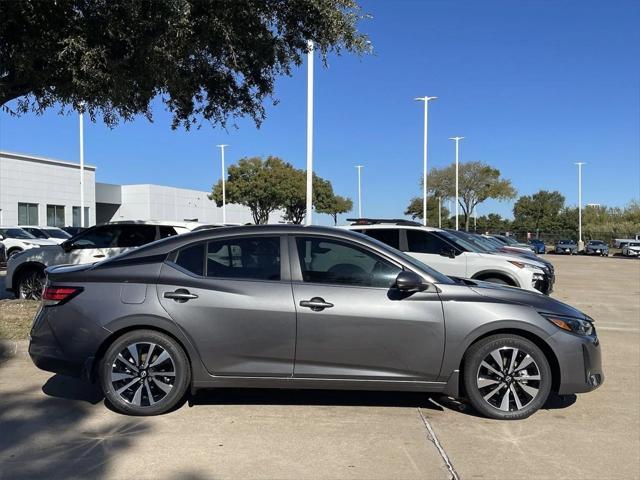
30	284
12	252
144	372
506	377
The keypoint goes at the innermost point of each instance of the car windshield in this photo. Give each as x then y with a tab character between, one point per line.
458	241
634	244
566	242
510	240
596	242
57	233
16	233
536	240
475	240
437	276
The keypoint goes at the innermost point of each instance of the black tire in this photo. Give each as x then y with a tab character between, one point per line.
12	252
498	280
166	391
30	284
518	384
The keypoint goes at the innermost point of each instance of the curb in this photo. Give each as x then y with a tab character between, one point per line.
13	348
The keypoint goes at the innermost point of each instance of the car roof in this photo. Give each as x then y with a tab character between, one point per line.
387	226
187	225
39	227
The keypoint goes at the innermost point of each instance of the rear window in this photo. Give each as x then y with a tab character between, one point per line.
386	235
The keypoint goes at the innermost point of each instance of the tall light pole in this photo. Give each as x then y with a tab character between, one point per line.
359	167
457	140
439	212
224	179
307	218
81	118
424	154
580	243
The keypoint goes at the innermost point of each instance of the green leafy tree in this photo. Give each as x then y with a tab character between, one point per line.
477	182
538	212
295	196
493	223
415	210
213	59
335	206
261	185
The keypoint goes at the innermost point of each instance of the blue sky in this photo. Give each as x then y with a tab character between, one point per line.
532	86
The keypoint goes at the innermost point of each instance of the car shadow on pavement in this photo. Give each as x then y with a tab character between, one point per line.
554	402
231	396
54	437
70	388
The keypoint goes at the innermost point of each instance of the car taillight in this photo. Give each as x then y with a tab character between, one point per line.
58	295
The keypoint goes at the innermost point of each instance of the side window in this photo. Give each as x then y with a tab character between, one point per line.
256	258
167	231
135	235
192	259
340	263
99	237
386	235
420	241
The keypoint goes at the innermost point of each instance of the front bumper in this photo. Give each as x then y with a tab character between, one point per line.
580	362
567	251
544	284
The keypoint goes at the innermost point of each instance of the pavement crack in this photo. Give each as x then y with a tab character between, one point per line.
434	439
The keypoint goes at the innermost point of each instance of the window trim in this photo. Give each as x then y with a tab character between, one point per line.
285	274
296	269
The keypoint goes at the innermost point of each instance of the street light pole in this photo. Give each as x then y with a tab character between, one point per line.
359	167
457	140
308	216
81	166
439	212
224	193
580	242
425	99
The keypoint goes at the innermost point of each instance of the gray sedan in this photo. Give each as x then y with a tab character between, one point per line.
305	307
568	247
596	247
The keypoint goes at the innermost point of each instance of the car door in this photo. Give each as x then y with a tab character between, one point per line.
232	296
432	250
352	324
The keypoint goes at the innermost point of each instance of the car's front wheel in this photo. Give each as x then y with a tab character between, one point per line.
506	377
144	372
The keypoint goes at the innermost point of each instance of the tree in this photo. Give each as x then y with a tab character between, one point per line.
415	210
295	195
477	183
335	206
213	59
493	223
260	185
538	212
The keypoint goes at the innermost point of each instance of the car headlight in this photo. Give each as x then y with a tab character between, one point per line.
575	325
529	266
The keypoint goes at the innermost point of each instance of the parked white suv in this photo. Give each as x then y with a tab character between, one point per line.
54	234
454	256
631	249
17	240
25	271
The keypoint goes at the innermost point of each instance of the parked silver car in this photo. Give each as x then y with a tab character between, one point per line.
283	306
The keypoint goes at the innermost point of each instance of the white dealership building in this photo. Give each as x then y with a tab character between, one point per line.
45	191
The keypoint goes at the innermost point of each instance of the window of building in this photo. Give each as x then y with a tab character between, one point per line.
76	216
256	258
339	263
55	215
27	214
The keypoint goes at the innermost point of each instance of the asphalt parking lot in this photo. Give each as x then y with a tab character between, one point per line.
56	427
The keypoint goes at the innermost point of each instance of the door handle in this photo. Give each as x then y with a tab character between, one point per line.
101	255
316	304
181	295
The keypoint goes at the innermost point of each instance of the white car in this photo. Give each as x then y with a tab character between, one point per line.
631	249
25	271
452	255
54	234
17	240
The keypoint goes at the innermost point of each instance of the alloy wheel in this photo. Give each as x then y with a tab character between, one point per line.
143	374
31	286
508	379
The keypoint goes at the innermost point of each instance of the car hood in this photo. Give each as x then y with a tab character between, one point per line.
510	257
537	301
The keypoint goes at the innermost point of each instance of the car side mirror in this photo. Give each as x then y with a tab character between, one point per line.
1	237
448	252
67	246
407	281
